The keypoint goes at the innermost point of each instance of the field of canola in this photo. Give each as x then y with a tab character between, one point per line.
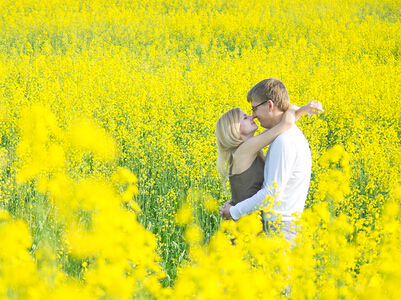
108	183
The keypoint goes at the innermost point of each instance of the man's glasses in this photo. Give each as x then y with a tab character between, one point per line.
256	107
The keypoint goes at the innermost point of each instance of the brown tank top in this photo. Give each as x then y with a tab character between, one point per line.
247	183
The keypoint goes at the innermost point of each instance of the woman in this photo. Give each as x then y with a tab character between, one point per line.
240	156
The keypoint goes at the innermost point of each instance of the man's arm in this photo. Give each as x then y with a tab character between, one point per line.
278	168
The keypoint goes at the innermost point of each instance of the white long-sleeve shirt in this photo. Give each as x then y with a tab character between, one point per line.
287	174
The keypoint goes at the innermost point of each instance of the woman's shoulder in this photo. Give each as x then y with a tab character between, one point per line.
257	163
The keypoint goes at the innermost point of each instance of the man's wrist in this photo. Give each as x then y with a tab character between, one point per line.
232	212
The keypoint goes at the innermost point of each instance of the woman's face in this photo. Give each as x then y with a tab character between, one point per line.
247	126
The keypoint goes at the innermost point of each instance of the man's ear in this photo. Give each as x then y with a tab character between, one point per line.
271	105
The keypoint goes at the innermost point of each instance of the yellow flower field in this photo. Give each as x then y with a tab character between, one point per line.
109	187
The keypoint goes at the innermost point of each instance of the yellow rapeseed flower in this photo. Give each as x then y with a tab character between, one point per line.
193	234
185	215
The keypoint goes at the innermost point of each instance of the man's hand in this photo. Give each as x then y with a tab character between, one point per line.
225	210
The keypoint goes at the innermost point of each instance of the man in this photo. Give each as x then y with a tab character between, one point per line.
288	162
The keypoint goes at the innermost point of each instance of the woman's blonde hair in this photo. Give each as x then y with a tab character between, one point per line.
228	139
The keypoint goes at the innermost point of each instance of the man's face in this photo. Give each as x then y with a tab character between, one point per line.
262	112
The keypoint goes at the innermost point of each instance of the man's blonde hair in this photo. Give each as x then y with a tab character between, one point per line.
270	89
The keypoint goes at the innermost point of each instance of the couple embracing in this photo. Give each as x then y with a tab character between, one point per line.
283	175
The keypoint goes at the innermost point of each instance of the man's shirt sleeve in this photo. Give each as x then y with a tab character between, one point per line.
279	164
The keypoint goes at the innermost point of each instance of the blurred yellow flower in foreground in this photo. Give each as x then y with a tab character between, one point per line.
185	215
211	204
193	234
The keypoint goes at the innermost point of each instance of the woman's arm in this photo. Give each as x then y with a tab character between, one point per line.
258	142
252	145
312	108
